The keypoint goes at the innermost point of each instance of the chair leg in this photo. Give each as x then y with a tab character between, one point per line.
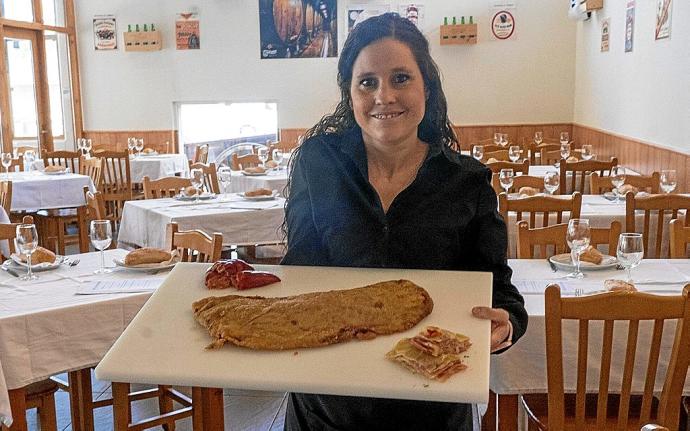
81	400
18	406
46	413
165	405
61	236
121	409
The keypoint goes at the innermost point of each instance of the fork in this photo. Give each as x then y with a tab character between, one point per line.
74	262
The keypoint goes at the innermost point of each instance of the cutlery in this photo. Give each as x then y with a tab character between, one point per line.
74	262
10	271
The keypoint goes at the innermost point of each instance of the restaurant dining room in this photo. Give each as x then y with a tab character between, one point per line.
344	215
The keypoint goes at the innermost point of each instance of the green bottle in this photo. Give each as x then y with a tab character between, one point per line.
471	20
153	28
129	28
146	27
137	27
462	20
445	20
454	21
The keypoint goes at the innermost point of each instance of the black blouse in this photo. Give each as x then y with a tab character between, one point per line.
445	219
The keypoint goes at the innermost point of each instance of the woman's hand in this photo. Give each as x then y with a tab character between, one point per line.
501	328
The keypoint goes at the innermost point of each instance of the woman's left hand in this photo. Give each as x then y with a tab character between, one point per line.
501	328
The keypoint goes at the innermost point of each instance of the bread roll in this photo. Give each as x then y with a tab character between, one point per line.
147	255
148	151
271	164
259	192
54	168
619	285
40	255
528	191
572	159
255	170
625	188
190	191
592	255
491	160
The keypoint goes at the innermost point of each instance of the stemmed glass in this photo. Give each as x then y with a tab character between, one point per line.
101	235
538	138
6	159
478	152
617	179
514	153
497	138
667	180
87	148
131	144
139	146
27	242
224	178
565	150
552	180
278	157
630	251
506	179
577	237
197	178
565	138
503	139
587	152
263	155
29	159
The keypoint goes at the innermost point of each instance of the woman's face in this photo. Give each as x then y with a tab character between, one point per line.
387	91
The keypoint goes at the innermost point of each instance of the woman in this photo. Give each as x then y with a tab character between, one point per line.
376	184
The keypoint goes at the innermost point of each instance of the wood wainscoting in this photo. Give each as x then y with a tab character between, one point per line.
163	141
291	136
519	133
641	156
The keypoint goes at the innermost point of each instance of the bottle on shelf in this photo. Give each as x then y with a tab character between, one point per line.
454	21
462	20
146	27
471	19
445	20
152	27
129	28
137	27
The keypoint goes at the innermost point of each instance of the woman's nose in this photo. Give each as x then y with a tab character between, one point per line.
385	94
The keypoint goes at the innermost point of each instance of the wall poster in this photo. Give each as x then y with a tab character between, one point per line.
357	13
187	34
413	12
298	29
605	31
503	25
104	32
629	25
663	19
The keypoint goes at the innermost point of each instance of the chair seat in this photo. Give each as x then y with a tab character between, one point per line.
59	212
41	388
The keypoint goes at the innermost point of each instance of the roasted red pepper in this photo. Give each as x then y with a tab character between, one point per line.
248	279
219	276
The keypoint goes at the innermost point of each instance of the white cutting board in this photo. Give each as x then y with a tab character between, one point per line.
165	345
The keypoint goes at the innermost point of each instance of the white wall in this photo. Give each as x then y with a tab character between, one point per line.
528	79
643	94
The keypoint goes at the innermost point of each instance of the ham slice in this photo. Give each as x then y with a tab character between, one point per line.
433	367
436	341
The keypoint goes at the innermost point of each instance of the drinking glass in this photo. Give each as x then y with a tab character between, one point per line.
506	179
101	235
565	138
587	152
552	180
667	180
263	155
131	144
224	178
87	148
80	145
617	179
27	242
478	152
139	146
630	251
514	153
6	162
503	139
538	137
565	150
497	138
197	177
29	159
577	237
278	157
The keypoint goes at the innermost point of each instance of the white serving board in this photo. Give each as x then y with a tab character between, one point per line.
165	345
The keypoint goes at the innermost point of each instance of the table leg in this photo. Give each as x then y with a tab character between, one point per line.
212	409
507	412
121	410
18	406
81	399
489	418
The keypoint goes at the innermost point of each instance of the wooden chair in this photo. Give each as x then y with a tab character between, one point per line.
578	172
68	159
201	154
92	168
499	155
598	411
19	151
165	187
680	239
518	181
518	167
6	196
237	163
211	184
194	245
656	208
599	184
488	148
551	240
549	157
116	183
17	165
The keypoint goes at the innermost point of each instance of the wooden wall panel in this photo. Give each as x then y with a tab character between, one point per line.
163	141
290	136
519	133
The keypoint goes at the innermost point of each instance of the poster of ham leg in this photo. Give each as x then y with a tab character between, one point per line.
187	35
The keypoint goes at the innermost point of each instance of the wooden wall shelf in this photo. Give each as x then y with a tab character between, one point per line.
143	41
459	34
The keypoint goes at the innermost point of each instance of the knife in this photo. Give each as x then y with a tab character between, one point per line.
9	271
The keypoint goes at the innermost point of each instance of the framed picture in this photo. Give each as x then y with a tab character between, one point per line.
663	19
187	35
104	32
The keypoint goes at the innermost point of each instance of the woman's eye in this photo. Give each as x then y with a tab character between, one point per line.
368	82
401	78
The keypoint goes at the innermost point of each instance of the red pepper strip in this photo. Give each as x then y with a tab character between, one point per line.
249	279
226	268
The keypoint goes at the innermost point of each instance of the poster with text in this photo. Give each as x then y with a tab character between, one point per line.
503	25
413	12
187	34
357	13
629	25
605	31
104	32
298	29
663	19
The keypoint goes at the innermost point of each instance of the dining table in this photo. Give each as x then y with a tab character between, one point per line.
34	190
156	166
273	180
241	221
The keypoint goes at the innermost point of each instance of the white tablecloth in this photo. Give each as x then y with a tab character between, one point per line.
35	190
158	166
241	222
45	328
272	181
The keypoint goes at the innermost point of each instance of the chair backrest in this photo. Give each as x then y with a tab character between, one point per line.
211	184
201	154
656	208
17	165
194	245
544	206
6	196
680	239
93	210
517	167
237	163
116	182
166	187
599	184
549	157
551	240
68	159
518	181
92	168
626	309
8	232
579	171
488	148
500	155
19	151
552	151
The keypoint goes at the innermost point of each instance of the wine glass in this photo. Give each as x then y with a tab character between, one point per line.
630	251
587	152
538	138
131	144
497	138
29	159
506	179
6	159
577	237
139	146
565	138
478	152
80	145
503	139
514	153
27	242
617	179
667	180
197	178
263	155
552	180
87	148
565	150
101	235
278	157
224	178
